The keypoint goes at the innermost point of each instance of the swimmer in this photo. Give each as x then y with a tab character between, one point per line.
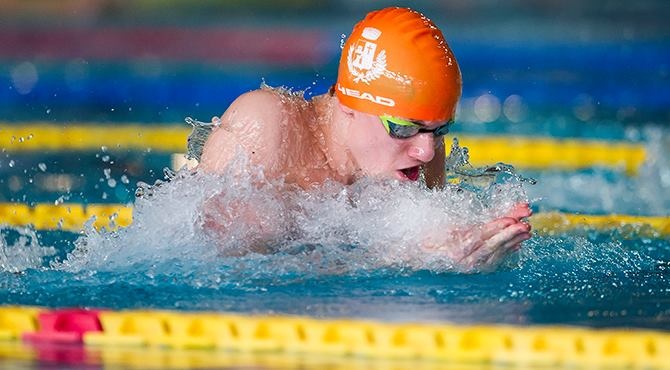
394	100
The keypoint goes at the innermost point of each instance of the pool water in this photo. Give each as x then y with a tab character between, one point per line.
353	256
343	251
570	280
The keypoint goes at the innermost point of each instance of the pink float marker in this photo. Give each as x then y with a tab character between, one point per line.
64	326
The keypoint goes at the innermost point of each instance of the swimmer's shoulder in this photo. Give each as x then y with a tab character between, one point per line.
257	108
253	124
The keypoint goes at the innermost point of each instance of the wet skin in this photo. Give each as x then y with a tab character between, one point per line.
309	142
483	247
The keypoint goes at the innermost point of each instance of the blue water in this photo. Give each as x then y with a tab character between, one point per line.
591	281
572	81
601	279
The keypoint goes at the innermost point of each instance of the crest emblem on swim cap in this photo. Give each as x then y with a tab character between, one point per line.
363	64
396	62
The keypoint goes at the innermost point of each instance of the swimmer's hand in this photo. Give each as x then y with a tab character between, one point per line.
484	247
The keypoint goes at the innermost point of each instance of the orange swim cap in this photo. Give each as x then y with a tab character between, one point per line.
396	62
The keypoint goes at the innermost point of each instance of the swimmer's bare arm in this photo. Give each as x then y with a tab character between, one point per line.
251	125
434	171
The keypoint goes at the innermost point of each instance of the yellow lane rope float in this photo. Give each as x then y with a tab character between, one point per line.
115	333
541	153
522	152
73	216
69	217
44	137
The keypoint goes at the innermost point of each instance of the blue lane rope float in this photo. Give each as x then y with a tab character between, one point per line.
109	331
522	152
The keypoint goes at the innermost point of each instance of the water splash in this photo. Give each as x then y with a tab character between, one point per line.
459	170
240	216
198	136
20	250
241	222
339	250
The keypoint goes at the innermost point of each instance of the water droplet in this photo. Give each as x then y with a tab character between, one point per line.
24	77
105	158
111	183
107	172
42	167
11	163
124	179
168	173
515	109
48	111
487	108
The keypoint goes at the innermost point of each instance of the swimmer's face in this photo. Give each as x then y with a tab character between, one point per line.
380	155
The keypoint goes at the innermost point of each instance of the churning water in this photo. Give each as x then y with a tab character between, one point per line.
356	251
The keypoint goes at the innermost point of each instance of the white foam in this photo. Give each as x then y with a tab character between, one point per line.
24	252
331	229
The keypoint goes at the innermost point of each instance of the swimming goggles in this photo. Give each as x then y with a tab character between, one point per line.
403	129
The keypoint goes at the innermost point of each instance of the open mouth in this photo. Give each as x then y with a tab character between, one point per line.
411	173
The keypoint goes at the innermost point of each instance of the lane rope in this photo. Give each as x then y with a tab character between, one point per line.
115	334
73	216
522	152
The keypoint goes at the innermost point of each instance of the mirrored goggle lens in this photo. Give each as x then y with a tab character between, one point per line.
406	129
401	131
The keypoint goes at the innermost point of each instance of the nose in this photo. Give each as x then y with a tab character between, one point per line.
422	147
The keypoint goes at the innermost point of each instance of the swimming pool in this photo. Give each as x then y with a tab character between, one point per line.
345	262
